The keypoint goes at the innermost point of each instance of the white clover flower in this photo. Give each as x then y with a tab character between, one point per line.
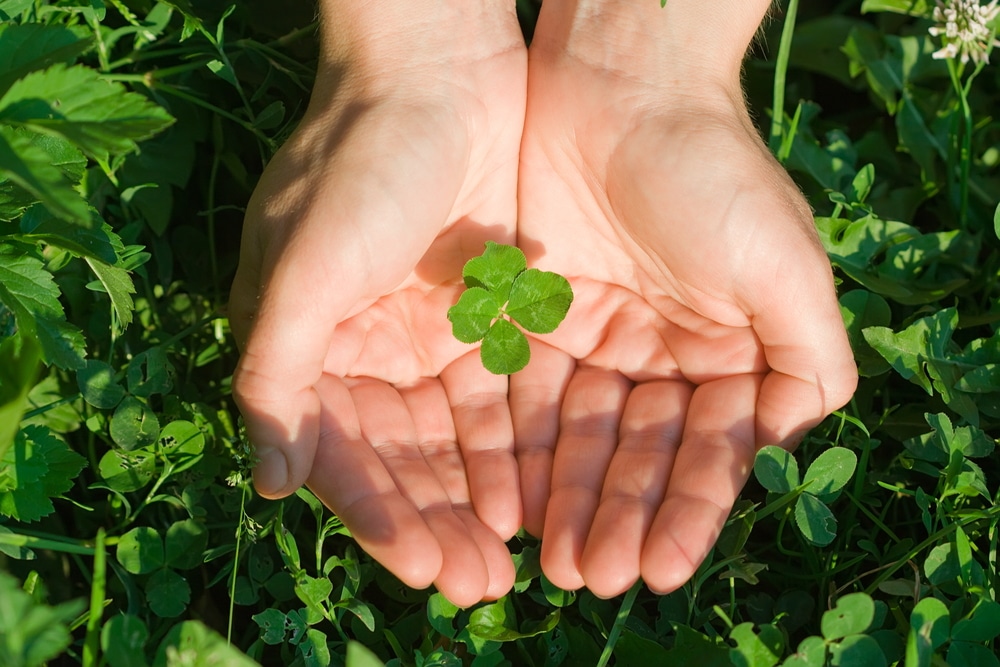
964	28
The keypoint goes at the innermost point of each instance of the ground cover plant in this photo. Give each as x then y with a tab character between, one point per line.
131	135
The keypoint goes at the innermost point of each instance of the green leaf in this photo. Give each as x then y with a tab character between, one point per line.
929	628
134	424
140	550
853	614
37	468
862	309
38	224
753	649
539	300
118	284
830	472
185	544
982	625
811	652
98	385
123	640
27	47
472	316
29	291
920	8
966	654
496	622
495	270
776	469
25	161
193	638
924	354
358	655
505	350
857	651
441	615
167	593
150	373
101	117
31	633
127	471
272	626
815	520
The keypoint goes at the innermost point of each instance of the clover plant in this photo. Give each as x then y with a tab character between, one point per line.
503	290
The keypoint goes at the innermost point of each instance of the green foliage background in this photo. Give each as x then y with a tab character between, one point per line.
131	135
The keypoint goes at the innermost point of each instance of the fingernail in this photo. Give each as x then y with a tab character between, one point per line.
270	475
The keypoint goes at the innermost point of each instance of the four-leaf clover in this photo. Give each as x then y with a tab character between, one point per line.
503	290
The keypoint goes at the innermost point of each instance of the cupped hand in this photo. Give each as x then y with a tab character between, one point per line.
349	378
705	323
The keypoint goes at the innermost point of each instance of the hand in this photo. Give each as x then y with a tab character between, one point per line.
353	246
705	323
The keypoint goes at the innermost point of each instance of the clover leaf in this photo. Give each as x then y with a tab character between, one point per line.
502	290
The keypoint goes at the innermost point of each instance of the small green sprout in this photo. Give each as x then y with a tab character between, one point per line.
502	289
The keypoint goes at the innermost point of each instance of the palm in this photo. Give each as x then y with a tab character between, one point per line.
352	253
688	249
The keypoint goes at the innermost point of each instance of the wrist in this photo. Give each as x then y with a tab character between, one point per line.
400	36
686	43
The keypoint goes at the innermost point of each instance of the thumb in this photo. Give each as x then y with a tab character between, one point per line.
284	324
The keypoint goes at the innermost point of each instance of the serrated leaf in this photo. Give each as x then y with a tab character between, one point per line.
29	291
38	224
39	467
471	317
505	350
539	300
34	633
22	496
776	469
25	162
100	117
815	520
496	269
118	284
27	47
830	472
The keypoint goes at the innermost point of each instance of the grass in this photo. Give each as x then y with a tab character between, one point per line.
129	535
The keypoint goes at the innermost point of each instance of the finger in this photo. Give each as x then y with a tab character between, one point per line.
535	397
588	436
812	366
387	425
352	481
482	421
431	413
712	464
635	485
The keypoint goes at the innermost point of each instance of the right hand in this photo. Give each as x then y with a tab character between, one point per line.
353	246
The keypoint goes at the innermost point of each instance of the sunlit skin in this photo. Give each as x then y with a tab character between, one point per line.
704	323
353	247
